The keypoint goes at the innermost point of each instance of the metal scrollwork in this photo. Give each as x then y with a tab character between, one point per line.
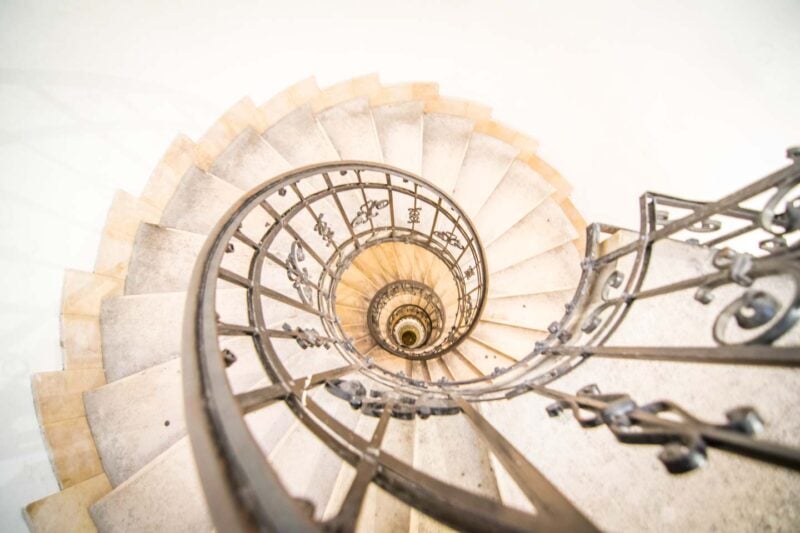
308	337
680	433
297	275
756	309
323	230
707	225
373	402
414	215
789	219
368	211
450	238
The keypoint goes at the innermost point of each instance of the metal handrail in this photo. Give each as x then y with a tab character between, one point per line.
244	492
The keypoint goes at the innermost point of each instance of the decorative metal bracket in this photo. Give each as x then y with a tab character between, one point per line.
373	402
684	437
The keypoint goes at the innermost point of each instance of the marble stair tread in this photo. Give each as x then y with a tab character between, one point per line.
165	495
200	202
399	127
534	311
543	229
485	357
516	195
248	161
486	161
444	142
300	139
513	341
163	260
556	269
136	418
351	130
307	467
460	366
144	330
469	469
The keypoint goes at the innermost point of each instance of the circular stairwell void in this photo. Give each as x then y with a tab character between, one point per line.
299	418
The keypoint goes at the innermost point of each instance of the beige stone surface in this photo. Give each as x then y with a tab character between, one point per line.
244	114
486	161
72	451
116	242
534	311
59	395
80	342
473	111
248	161
178	158
562	186
444	142
165	495
518	193
67	510
543	229
129	432
404	92
288	100
346	90
556	269
399	127
351	129
83	292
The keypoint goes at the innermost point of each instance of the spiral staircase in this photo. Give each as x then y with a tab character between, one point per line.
368	307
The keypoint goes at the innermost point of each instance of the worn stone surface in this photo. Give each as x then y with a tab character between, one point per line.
67	510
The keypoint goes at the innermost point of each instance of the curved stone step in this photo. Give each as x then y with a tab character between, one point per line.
165	495
486	161
519	192
513	341
248	161
543	229
307	467
163	260
444	142
485	358
534	311
67	510
351	130
134	419
556	269
399	127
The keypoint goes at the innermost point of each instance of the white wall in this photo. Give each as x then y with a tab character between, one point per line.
691	98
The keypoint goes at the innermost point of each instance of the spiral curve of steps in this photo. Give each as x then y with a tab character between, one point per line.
113	418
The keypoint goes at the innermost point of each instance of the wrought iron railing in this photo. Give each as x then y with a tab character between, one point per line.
757	291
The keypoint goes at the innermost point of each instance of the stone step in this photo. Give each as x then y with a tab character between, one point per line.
163	260
444	142
136	418
58	395
248	161
300	139
67	510
485	358
116	242
543	229
199	202
307	467
534	311
165	495
351	130
556	269
519	192
144	330
486	161
399	127
513	341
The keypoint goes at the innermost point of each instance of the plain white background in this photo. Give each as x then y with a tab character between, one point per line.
690	98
